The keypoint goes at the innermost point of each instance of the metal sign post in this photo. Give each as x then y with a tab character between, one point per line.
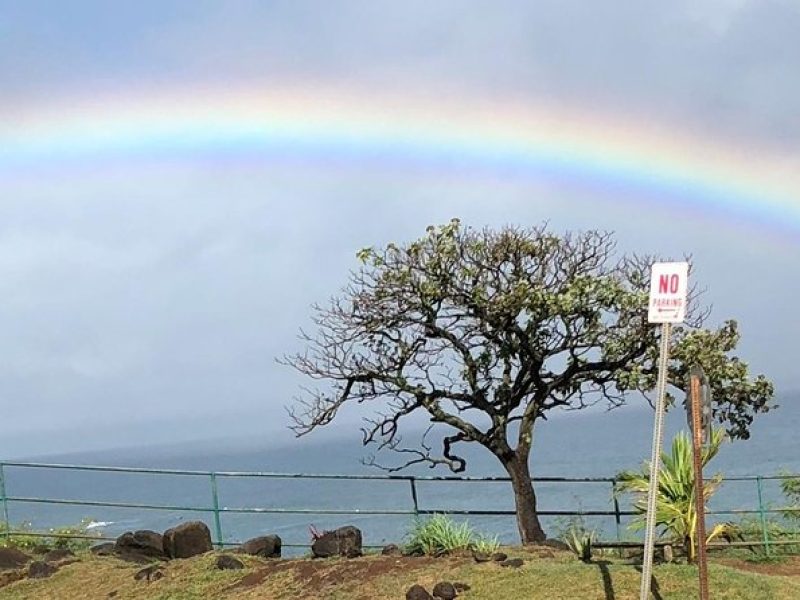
667	305
699	399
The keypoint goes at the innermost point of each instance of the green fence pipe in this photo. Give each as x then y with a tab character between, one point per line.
762	512
4	499
217	523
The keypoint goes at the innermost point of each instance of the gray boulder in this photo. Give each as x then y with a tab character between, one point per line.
144	542
417	592
345	541
11	558
266	546
187	540
40	569
444	590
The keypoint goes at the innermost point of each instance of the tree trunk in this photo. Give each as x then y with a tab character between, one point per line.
530	530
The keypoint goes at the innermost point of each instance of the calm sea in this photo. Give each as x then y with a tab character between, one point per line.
571	445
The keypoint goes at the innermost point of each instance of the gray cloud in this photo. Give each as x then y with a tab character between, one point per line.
139	295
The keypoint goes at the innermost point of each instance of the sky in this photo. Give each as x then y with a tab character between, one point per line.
180	181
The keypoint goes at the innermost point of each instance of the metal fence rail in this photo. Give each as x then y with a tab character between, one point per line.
214	510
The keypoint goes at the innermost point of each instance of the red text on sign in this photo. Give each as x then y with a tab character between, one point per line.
668	284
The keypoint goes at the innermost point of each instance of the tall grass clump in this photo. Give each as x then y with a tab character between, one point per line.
440	535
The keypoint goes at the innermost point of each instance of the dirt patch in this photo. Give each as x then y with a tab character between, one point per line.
317	575
789	567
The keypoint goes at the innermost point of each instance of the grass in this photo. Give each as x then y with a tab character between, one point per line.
558	577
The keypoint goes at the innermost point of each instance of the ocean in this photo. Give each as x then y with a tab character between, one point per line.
586	444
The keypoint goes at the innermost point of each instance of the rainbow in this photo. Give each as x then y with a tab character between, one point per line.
499	139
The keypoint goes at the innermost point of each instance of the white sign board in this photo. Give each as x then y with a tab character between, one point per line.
669	283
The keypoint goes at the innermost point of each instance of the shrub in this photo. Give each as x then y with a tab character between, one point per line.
25	537
440	535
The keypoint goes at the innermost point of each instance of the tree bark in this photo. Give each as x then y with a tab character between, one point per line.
530	530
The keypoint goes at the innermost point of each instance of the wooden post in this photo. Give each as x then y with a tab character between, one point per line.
697	378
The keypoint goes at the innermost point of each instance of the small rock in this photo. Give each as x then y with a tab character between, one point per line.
499	556
151	573
39	569
461	587
105	549
225	561
417	592
112	594
481	557
58	555
444	590
515	563
11	558
266	546
187	540
391	550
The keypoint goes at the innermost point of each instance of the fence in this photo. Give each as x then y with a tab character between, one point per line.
214	510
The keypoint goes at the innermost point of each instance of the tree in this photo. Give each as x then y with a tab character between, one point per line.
675	501
487	331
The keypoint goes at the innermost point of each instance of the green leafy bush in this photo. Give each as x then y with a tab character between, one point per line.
25	537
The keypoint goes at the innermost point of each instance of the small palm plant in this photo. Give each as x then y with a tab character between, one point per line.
580	541
675	501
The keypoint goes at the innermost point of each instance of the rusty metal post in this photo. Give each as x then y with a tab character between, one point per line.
697	378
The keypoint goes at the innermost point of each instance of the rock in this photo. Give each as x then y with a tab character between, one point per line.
105	549
417	592
461	587
58	555
11	558
39	569
391	550
144	542
225	561
444	590
148	574
514	563
481	556
267	546
187	540
499	556
345	541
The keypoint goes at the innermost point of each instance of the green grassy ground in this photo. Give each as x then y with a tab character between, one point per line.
542	577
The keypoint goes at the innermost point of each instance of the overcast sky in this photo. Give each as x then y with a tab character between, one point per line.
162	293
